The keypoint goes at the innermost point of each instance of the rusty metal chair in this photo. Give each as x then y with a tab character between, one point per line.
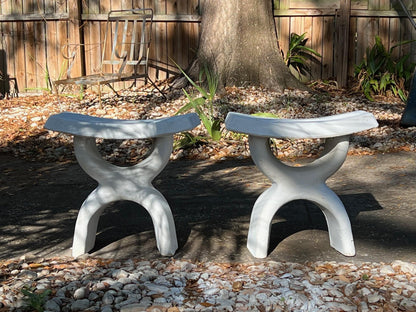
125	51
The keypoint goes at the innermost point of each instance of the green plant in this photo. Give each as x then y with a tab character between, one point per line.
365	277
35	300
203	105
188	140
380	71
298	54
47	77
266	115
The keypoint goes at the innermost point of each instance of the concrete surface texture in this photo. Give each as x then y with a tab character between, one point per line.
211	204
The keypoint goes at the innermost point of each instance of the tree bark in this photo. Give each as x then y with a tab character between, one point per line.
238	41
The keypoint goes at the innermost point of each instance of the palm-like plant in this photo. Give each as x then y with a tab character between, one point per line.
298	54
203	105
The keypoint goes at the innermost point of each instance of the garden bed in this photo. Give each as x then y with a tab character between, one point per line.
23	118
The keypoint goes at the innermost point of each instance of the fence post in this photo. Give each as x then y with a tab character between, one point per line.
342	47
75	36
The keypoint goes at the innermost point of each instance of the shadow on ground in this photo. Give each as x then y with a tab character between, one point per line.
211	203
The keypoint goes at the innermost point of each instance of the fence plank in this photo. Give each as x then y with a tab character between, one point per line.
62	35
177	41
307	29
126	4
352	47
116	5
342	43
359	4
74	36
7	63
362	39
327	49
92	35
7	50
146	3
159	55
316	44
296	25
139	4
171	52
284	34
17	41
20	57
284	4
373	4
384	31
52	50
312	4
105	6
395	25
193	31
405	34
40	50
384	5
172	35
30	55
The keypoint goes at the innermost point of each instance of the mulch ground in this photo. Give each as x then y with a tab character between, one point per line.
23	118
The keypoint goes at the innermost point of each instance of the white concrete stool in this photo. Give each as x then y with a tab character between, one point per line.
122	183
306	182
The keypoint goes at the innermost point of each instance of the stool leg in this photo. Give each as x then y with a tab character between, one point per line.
339	226
264	209
157	206
87	220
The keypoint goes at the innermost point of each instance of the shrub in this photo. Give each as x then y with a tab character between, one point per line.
380	72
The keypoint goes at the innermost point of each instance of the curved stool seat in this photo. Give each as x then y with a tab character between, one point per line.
322	127
122	183
105	128
306	182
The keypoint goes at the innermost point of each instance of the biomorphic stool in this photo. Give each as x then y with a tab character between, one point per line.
306	182
116	183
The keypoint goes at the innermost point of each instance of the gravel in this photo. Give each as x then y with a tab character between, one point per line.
180	285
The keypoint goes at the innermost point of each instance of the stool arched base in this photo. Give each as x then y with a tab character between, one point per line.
293	183
124	183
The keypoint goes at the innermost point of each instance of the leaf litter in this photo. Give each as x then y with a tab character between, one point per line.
23	119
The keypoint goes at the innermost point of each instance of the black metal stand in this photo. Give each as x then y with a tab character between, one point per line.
409	114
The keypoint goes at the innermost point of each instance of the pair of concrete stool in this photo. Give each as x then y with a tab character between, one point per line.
288	183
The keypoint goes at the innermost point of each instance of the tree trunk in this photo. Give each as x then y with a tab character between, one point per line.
238	41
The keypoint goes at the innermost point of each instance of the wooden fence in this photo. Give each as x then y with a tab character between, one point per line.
32	33
342	30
